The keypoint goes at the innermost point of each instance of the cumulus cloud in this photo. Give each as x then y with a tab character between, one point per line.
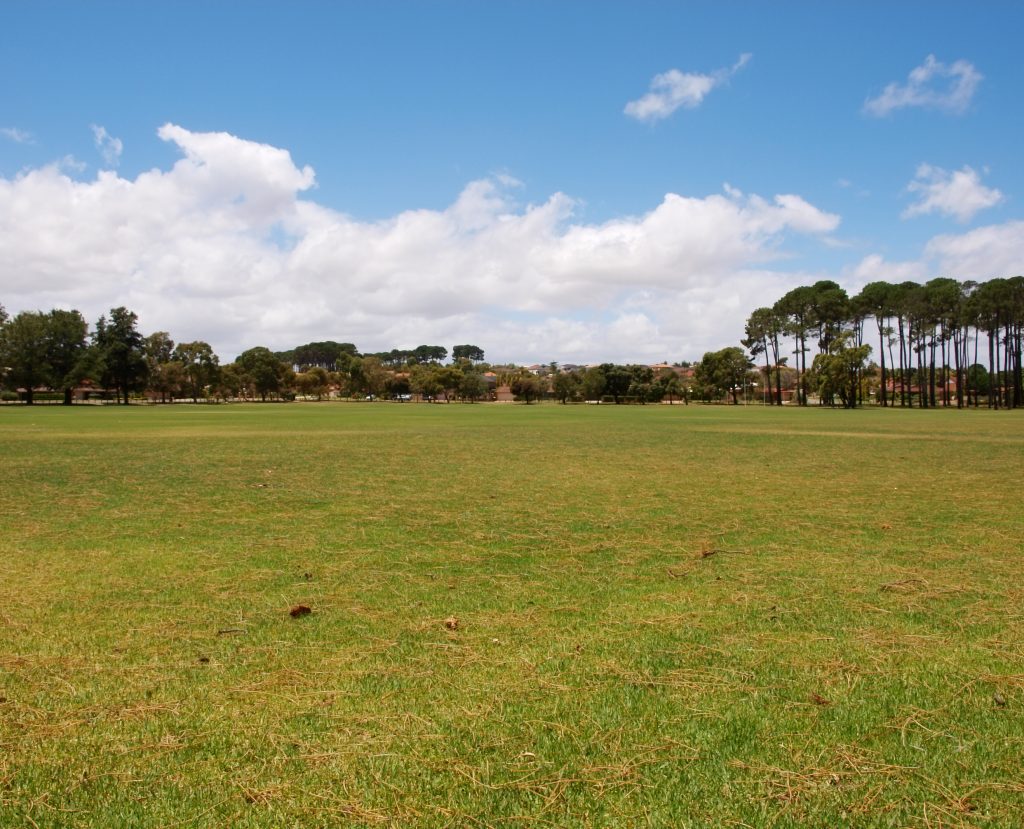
674	89
227	246
982	253
16	135
110	148
959	194
932	85
874	268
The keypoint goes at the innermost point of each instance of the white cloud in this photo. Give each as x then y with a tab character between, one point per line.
674	89
109	147
875	268
982	253
70	164
932	85
224	247
959	194
16	135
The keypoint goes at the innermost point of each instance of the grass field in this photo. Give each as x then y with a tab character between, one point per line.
521	616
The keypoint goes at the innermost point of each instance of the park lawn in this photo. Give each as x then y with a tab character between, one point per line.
521	616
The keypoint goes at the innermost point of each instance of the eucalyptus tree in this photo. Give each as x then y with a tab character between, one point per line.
450	379
66	353
797	309
201	367
723	371
617	380
473	386
991	305
670	385
166	377
314	380
262	372
593	383
566	385
526	387
902	297
829	311
944	300
24	351
876	299
1014	338
423	380
763	329
838	371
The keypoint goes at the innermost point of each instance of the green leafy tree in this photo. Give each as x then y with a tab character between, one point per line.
450	379
263	372
764	328
526	387
797	309
429	354
423	380
3	322
669	385
838	372
313	381
617	380
829	309
67	344
566	386
473	386
166	377
468	352
593	383
723	372
200	365
322	354
120	352
977	381
876	299
24	352
230	382
368	375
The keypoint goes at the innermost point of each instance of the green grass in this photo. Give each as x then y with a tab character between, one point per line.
667	616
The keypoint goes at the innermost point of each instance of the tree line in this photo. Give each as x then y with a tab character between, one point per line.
56	351
929	340
941	343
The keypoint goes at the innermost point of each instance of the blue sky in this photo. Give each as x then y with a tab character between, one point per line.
396	173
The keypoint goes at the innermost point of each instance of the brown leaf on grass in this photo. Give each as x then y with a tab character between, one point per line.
999	699
818	699
452	623
300	610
